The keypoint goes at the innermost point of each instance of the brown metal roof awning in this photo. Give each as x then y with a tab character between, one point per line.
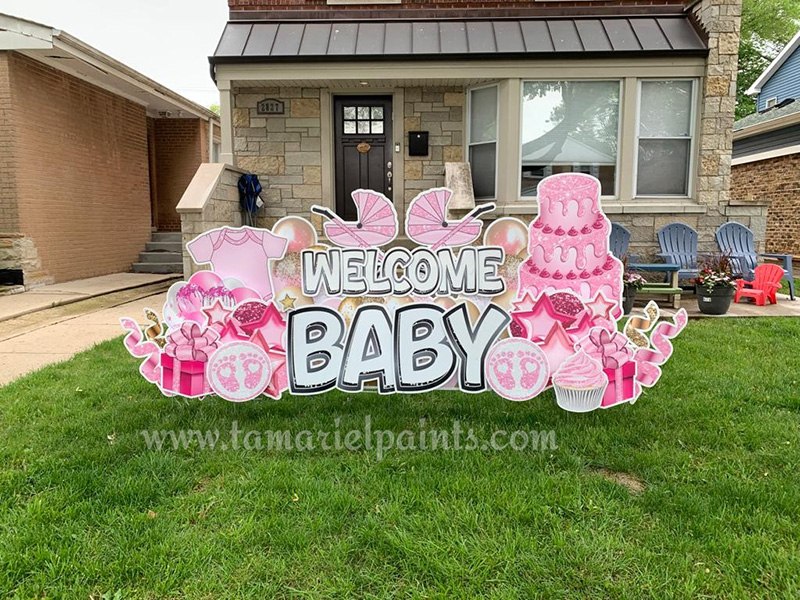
522	38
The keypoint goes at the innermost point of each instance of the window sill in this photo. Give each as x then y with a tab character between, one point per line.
614	207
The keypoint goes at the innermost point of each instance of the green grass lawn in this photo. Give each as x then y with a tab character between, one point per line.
87	510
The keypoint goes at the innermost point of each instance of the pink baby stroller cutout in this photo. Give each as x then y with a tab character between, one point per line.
533	307
427	222
377	223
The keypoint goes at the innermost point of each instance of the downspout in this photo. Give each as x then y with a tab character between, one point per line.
210	140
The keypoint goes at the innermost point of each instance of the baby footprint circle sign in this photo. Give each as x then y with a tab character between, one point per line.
517	369
239	371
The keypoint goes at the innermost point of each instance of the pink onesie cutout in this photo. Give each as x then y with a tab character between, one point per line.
241	253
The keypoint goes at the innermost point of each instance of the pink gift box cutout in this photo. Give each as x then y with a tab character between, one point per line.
184	360
184	377
621	385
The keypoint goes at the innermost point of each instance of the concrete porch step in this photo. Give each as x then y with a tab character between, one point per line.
164	247
166	236
170	267
160	257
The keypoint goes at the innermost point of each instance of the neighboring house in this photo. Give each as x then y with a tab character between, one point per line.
766	151
94	157
636	92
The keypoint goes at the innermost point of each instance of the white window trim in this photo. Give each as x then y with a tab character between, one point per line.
620	112
692	139
496	142
774	101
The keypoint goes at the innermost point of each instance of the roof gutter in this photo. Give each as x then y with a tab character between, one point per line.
104	62
767	126
328	58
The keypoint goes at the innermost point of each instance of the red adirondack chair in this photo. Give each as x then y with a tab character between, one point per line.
764	286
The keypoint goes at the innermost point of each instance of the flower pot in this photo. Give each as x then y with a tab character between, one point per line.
714	302
629	298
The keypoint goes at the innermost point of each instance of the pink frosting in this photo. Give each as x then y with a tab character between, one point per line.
580	372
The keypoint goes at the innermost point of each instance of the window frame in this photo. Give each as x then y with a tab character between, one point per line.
774	101
496	142
620	115
693	135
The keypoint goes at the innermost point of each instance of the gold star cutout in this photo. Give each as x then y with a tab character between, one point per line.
288	302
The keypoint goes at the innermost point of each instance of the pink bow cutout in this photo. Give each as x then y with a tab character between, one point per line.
190	342
611	349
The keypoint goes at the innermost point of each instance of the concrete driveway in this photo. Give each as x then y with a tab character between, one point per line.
40	338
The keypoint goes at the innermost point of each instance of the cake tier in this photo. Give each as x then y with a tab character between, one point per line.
568	201
571	250
537	278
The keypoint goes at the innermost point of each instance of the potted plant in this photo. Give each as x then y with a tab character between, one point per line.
632	283
715	285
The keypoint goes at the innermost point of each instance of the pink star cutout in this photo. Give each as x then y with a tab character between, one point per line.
217	314
581	327
538	322
601	306
273	326
557	346
231	332
524	304
277	359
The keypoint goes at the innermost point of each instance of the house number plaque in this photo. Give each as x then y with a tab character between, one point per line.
270	106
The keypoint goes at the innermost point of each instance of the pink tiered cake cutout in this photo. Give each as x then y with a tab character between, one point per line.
569	242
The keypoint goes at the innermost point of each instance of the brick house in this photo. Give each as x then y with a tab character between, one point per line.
95	156
766	151
639	93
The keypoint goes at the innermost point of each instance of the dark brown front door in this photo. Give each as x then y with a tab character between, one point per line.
363	148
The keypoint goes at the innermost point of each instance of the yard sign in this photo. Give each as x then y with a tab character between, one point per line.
515	309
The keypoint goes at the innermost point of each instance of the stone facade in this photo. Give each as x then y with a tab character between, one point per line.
440	112
721	20
283	150
775	181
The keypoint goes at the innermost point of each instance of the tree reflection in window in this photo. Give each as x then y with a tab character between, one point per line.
570	126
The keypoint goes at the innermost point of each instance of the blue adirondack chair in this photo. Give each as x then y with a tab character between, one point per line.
679	246
737	241
619	240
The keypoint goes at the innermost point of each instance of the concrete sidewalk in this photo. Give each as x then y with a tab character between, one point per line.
37	339
16	305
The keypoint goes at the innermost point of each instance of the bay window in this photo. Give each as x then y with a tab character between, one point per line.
570	126
665	134
482	141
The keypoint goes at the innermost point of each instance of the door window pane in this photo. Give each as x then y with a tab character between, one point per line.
666	109
377	112
663	167
483	158
349	127
349	112
363	112
363	127
377	127
570	126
